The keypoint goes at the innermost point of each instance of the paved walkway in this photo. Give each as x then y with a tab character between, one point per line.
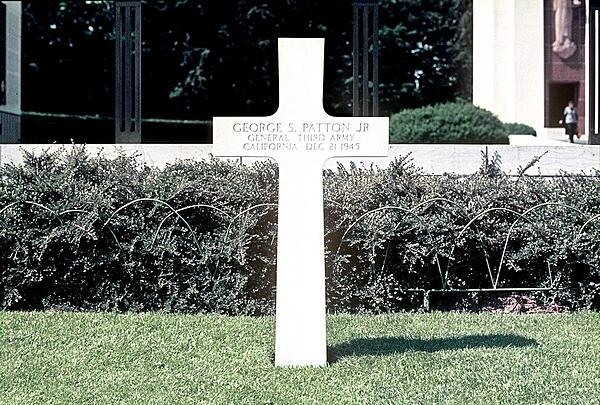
553	137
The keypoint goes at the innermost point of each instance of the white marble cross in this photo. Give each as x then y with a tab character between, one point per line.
301	137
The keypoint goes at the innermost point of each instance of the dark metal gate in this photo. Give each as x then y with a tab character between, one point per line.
365	58
128	72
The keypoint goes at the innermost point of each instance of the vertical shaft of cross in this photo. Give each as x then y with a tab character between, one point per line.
300	337
300	136
301	76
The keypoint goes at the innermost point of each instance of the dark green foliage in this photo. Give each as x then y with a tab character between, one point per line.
94	251
210	58
44	128
426	52
447	123
87	232
413	234
68	56
463	51
515	128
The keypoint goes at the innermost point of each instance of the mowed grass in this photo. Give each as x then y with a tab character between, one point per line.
438	358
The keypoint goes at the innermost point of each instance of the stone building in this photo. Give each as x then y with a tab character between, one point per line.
530	57
10	71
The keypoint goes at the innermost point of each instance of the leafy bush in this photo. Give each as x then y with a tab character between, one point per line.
412	231
97	234
515	128
447	123
90	233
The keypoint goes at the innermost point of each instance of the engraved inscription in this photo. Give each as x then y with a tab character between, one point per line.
301	136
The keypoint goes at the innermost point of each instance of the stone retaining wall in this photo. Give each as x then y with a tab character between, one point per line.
434	159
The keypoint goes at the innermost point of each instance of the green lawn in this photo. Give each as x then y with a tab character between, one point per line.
439	358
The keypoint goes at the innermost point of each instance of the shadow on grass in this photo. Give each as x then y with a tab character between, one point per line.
395	345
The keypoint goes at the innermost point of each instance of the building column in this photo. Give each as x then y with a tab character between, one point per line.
508	59
10	105
592	57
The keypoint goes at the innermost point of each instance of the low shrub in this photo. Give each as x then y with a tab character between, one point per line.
461	123
89	233
411	231
92	233
515	128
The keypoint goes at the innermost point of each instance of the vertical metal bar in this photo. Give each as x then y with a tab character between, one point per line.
118	71
355	62
376	60
592	75
128	55
138	72
595	75
365	52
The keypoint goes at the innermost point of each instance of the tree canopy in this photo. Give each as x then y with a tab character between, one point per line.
203	58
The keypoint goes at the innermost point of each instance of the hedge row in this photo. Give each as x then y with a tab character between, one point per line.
101	241
42	128
90	233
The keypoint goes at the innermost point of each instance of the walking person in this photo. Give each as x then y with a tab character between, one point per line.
570	120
